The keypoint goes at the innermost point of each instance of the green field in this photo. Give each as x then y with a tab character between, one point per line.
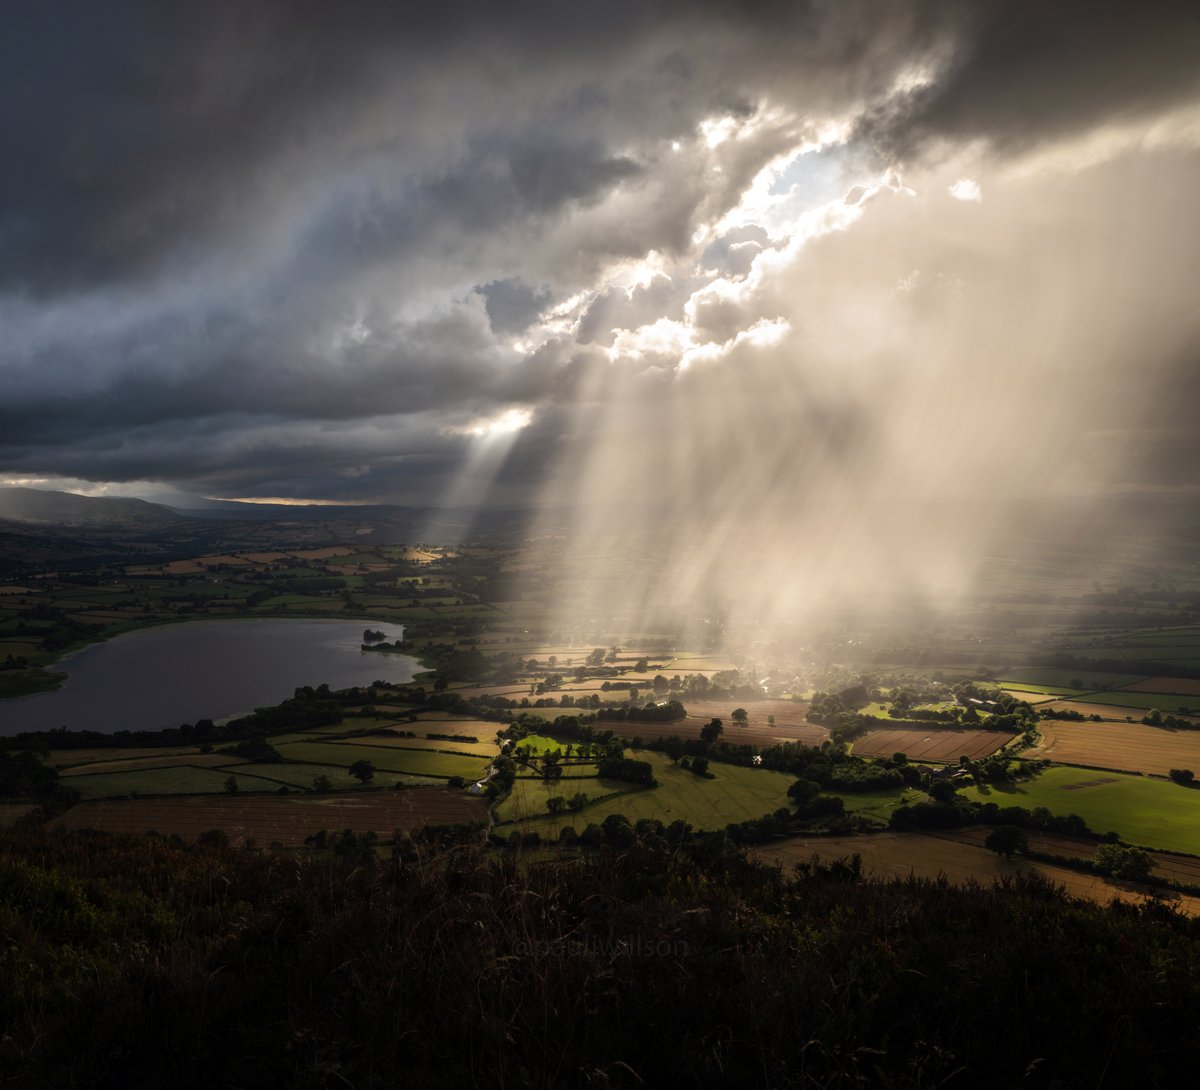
1041	690
173	780
879	804
419	762
736	794
1152	813
1048	680
302	776
1167	702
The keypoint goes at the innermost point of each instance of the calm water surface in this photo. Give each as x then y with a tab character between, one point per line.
161	677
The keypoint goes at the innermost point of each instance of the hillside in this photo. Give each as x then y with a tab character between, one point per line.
144	963
42	508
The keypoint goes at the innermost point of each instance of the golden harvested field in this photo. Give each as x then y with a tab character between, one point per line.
1027	696
1131	747
1180	868
932	745
268	818
1111	712
898	855
1182	685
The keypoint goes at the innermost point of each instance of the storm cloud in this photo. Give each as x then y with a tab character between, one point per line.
328	251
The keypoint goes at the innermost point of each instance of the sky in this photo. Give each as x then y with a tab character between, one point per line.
661	260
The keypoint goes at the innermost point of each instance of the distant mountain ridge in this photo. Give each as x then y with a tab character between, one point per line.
42	508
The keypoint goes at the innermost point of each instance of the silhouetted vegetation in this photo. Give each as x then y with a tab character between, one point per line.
653	959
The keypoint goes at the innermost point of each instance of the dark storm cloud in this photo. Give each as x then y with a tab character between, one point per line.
281	248
1023	71
512	305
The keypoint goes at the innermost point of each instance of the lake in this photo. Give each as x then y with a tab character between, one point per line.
163	676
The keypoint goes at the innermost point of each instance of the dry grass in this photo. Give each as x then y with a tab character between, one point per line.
892	855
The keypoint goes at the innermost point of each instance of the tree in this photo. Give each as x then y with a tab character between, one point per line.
363	771
231	786
556	804
577	801
1123	861
1006	839
770	720
804	791
322	784
1185	777
942	791
618	831
711	731
700	766
739	716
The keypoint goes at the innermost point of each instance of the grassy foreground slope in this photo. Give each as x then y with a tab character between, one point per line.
141	963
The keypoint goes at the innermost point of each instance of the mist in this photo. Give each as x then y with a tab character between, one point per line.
767	312
887	395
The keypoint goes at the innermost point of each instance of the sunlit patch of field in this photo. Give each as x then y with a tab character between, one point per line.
1148	812
735	794
923	744
899	855
1029	697
1130	747
283	819
9	588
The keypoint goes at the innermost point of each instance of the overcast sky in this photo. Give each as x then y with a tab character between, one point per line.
475	252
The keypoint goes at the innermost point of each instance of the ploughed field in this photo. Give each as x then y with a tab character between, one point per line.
926	744
286	820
